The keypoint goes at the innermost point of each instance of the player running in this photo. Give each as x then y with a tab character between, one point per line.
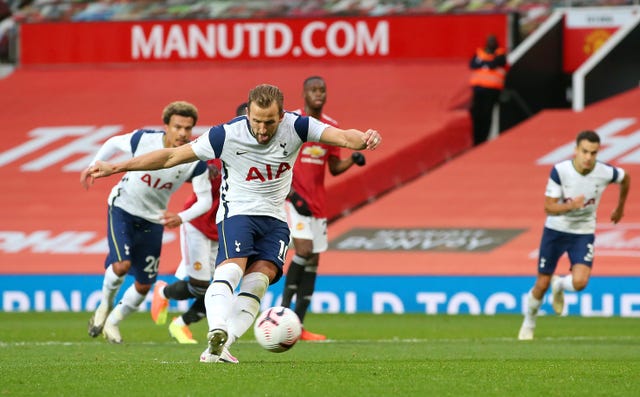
572	197
137	213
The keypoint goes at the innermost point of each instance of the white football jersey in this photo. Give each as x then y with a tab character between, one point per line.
146	193
256	178
565	183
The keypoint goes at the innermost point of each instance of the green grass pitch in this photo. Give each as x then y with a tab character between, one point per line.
50	354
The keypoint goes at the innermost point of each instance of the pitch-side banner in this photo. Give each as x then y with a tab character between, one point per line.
488	295
428	36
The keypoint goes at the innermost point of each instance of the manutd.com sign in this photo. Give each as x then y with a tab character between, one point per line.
270	40
427	36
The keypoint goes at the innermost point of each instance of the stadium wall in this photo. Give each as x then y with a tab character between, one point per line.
88	66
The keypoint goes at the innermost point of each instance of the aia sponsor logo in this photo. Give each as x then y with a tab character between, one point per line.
156	183
267	173
587	203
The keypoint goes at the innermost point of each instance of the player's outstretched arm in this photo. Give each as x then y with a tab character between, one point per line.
618	212
351	139
113	145
158	159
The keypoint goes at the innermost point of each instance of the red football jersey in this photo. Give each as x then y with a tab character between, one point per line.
206	222
309	171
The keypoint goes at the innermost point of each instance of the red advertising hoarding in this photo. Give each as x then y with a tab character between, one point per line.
428	36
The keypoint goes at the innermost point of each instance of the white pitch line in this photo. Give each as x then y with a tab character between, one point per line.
354	341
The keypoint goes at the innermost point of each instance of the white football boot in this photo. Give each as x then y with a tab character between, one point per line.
98	319
111	333
526	332
557	294
224	357
217	338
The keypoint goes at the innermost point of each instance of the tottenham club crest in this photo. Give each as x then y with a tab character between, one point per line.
283	145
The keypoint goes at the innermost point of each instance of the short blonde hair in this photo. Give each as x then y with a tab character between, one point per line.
181	108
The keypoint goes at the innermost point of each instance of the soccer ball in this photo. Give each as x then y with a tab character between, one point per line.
277	329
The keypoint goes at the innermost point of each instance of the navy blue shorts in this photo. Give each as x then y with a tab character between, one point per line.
579	248
134	239
255	238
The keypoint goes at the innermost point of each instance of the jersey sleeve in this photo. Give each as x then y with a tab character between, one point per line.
113	145
316	127
209	145
554	187
618	175
202	188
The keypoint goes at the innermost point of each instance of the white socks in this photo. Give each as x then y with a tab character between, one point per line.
566	282
130	302
219	297
247	304
300	260
532	306
110	286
